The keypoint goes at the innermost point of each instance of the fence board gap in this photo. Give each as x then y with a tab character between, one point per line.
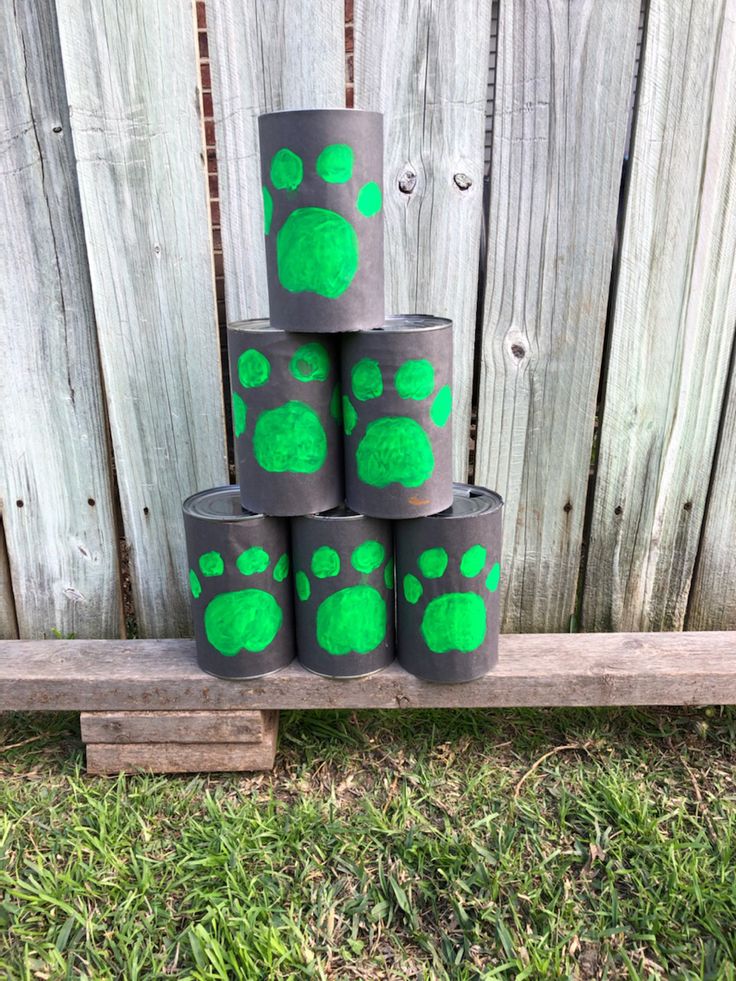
132	85
562	92
426	67
8	622
55	488
673	324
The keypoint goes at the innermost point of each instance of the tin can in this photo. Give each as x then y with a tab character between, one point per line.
286	418
448	578
322	175
344	584
240	585
397	407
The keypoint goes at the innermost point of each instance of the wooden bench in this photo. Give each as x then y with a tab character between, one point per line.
145	704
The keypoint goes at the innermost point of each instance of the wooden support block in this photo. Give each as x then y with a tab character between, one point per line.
173	757
175	727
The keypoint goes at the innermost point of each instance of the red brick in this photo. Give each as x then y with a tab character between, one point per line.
204	71
349	38
201	14
203	47
215	212
213	185
209	132
207	105
349	67
219	270
348	11
216	239
349	97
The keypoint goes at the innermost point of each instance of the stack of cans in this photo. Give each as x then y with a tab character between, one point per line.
345	542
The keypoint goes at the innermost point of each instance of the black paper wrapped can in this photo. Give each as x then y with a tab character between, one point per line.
240	584
286	418
322	174
344	582
448	571
397	407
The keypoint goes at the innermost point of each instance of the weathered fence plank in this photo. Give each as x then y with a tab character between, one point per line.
8	623
132	85
713	596
55	488
563	77
284	54
425	65
673	324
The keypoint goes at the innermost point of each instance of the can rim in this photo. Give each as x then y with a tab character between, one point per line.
231	490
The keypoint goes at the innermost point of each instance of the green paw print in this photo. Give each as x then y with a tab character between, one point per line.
317	249
396	449
290	437
454	621
352	619
244	619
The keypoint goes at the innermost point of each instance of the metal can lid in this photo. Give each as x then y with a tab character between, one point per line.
342	511
469	499
218	504
411	322
259	326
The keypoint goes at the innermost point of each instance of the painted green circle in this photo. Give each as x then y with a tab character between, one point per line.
493	578
211	564
388	574
254	368
325	562
352	620
412	588
369	199
473	561
252	561
287	170
194	584
349	415
303	589
415	379
432	563
335	163
316	252
454	622
240	413
336	404
441	407
368	557
281	569
394	450
248	619
267	210
290	439
310	363
366	379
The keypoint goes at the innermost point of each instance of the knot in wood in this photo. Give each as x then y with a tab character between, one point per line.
407	182
462	181
518	351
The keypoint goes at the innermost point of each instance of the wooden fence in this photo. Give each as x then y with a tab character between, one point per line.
594	304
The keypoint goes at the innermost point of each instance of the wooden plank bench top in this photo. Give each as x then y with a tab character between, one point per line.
533	670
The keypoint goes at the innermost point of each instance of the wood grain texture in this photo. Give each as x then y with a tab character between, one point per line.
8	623
132	85
55	489
175	727
112	758
534	669
425	66
563	82
673	324
264	56
712	601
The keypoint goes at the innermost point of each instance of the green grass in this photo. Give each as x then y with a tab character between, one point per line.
384	845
